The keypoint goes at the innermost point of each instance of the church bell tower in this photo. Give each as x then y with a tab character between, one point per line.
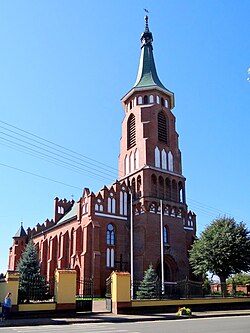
150	164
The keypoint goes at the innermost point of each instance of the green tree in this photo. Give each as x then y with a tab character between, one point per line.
31	284
148	286
223	249
240	279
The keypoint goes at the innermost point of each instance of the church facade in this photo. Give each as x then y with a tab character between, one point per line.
146	205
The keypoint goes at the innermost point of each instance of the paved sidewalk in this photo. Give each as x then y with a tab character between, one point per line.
109	317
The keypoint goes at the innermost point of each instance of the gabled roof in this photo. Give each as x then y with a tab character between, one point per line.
20	232
72	213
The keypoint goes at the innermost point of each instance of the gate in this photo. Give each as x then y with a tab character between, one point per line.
108	294
84	300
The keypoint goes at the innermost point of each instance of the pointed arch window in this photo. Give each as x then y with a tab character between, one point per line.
154	185
170	161
151	99
110	235
164	159
161	187
132	162
126	164
168	189
111	203
123	203
136	159
157	157
110	254
174	190
145	99
162	127
139	100
165	236
99	206
131	132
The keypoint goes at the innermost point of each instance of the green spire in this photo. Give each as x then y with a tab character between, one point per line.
147	74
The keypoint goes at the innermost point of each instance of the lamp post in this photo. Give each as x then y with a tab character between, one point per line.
162	253
131	247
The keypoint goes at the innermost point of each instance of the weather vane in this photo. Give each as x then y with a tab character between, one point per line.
145	9
248	71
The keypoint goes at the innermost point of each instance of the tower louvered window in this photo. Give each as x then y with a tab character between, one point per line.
162	127
131	132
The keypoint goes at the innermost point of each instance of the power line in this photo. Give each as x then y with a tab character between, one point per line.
71	160
64	150
36	175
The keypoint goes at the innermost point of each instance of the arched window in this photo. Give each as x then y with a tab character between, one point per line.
72	241
165	236
157	99
110	254
145	99
151	99
168	189
174	190
126	164
110	235
131	132
164	159
170	161
111	203
161	187
139	100
162	102
130	105
162	127
99	206
133	185
154	185
138	183
60	245
157	157
60	210
136	159
123	203
132	162
181	194
166	103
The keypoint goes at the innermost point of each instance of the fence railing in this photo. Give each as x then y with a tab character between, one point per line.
189	289
85	288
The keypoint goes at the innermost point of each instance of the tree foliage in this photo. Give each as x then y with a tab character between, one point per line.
31	284
223	249
240	279
148	286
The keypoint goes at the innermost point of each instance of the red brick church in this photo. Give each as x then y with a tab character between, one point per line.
93	234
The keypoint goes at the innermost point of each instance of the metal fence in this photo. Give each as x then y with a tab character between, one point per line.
35	289
190	289
171	290
84	298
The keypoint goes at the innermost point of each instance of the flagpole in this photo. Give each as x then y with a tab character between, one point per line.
162	254
131	247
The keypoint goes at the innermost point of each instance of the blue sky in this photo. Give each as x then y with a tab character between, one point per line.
64	66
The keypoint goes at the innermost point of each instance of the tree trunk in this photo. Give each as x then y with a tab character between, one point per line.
223	286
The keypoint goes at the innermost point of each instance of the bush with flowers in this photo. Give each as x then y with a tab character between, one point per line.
184	311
